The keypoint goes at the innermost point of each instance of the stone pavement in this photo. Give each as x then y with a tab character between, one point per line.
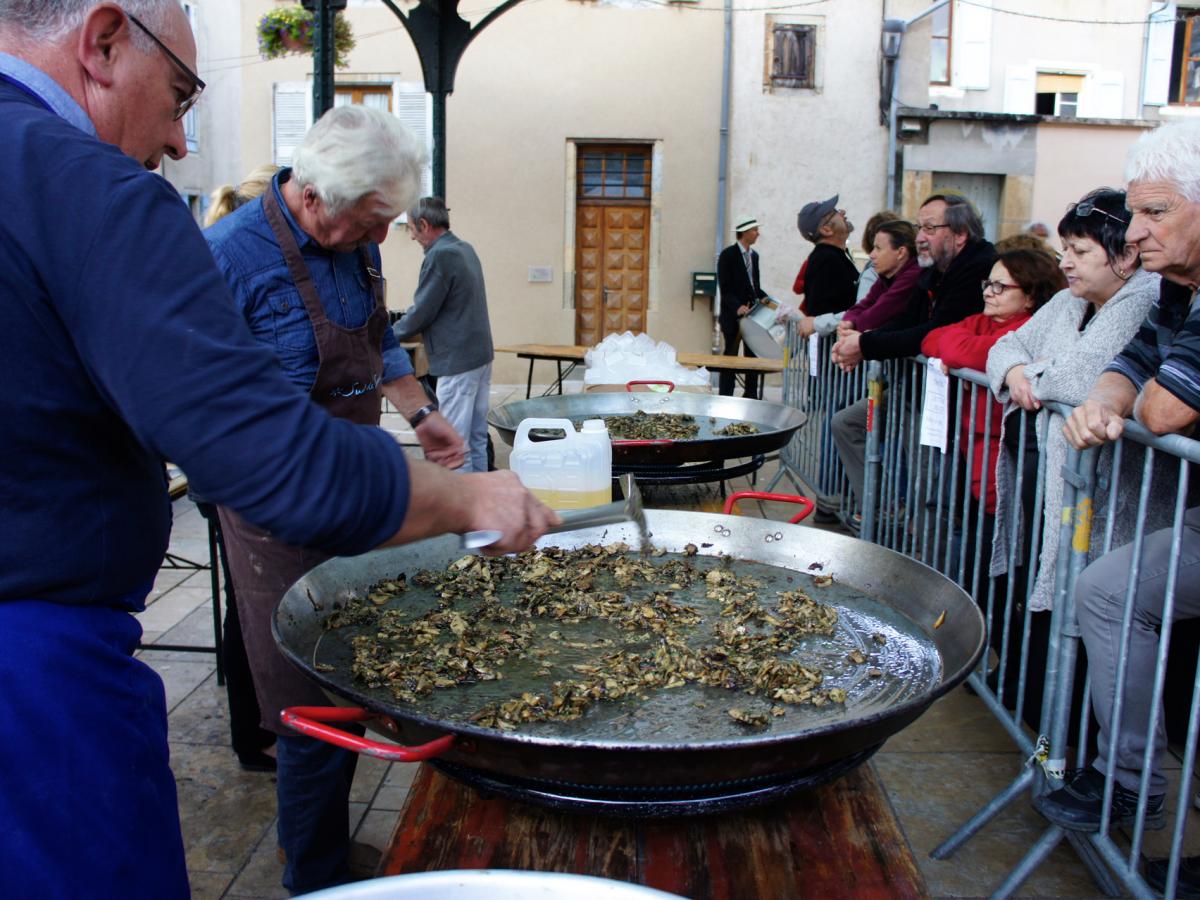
937	772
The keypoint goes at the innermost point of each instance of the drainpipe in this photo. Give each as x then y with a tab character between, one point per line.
1141	94
723	161
894	29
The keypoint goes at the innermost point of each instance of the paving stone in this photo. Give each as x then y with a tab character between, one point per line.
934	793
224	812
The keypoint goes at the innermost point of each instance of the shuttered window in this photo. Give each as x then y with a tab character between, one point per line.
793	49
407	100
414	107
293	115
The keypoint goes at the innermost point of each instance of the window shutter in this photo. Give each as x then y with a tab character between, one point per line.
1102	95
1160	43
972	45
414	108
1019	89
292	117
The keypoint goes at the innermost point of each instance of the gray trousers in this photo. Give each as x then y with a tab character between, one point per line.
1100	598
849	429
463	399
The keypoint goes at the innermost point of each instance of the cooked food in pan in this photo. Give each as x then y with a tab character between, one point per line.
574	628
644	426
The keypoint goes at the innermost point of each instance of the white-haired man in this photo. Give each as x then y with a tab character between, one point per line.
302	263
120	348
1155	379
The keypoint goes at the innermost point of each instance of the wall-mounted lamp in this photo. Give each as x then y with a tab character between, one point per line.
893	32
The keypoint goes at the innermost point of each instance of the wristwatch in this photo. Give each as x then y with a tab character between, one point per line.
422	414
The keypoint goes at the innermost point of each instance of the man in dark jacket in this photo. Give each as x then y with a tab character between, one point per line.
956	258
737	278
831	278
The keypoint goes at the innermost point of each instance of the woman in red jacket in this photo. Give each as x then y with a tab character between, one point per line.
1019	283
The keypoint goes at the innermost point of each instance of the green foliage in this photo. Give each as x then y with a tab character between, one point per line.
295	25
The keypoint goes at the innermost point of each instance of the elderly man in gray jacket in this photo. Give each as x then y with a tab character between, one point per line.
450	313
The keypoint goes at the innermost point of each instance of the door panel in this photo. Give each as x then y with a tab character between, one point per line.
612	224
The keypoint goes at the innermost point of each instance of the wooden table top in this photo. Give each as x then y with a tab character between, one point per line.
576	353
838	840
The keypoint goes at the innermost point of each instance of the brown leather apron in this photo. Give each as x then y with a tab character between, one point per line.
263	568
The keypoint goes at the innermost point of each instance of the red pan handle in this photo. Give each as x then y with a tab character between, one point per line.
310	721
643	443
629	385
808	505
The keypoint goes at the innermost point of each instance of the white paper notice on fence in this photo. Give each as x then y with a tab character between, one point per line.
933	415
814	342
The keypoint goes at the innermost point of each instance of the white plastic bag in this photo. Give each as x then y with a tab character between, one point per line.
621	358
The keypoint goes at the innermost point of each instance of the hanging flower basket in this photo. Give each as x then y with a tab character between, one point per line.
290	29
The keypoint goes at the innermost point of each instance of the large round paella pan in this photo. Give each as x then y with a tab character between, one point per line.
774	423
922	633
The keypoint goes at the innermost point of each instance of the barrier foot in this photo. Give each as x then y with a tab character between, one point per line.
785	470
1037	854
1094	862
993	808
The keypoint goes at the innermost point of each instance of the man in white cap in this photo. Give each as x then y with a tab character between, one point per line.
737	279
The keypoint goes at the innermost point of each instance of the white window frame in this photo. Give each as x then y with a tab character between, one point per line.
191	129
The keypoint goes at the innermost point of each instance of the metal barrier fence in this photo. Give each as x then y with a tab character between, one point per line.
1145	584
812	383
926	504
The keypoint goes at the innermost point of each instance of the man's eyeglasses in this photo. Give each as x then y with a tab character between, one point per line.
193	79
1085	208
996	287
930	227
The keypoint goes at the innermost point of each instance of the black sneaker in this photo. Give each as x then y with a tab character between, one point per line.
1076	805
1188	884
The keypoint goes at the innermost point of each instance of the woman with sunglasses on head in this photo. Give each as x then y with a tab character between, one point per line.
1056	356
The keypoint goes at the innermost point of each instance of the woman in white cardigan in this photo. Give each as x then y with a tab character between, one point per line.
1056	356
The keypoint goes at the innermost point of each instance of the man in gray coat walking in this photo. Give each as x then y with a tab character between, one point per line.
450	313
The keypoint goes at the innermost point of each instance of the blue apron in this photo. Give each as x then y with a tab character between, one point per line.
87	798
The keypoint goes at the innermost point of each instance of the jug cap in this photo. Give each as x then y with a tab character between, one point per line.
592	426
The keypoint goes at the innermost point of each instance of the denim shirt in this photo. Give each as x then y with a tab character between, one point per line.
249	257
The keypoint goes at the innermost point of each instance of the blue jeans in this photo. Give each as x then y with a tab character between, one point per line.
313	797
463	400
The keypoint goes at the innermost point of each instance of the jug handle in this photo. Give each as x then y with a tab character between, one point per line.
526	425
670	384
808	505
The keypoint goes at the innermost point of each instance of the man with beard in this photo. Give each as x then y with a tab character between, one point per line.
956	258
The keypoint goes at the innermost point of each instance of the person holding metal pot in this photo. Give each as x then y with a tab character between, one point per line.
122	349
737	279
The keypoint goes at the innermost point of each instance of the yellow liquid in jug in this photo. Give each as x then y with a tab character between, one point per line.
556	499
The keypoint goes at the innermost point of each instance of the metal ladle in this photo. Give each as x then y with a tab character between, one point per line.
627	510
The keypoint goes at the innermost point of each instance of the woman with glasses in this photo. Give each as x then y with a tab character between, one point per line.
1020	283
1057	356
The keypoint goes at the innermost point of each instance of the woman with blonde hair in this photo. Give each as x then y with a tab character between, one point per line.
227	198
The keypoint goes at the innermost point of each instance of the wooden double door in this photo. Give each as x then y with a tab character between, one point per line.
612	234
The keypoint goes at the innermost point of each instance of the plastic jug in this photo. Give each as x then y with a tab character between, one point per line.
571	472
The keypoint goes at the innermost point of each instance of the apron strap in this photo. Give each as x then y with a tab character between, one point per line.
298	269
